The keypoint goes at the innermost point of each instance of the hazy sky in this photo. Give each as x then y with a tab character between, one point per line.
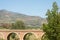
28	7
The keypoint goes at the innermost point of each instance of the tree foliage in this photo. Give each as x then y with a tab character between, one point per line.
52	28
18	25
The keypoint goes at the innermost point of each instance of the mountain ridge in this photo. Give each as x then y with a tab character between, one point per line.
11	17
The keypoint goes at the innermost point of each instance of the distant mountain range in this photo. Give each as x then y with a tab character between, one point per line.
11	17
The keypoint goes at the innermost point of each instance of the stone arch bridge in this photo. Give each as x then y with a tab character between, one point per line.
20	33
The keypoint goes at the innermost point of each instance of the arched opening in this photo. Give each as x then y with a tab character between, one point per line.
44	37
12	36
29	36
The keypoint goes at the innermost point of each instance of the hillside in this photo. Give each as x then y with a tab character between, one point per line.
11	17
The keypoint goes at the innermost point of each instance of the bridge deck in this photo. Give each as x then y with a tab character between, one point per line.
3	30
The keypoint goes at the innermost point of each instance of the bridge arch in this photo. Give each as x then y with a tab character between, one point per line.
13	35
29	36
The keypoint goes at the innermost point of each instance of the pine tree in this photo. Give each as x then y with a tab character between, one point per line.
52	28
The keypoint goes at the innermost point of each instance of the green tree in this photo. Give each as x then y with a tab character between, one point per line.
52	28
18	25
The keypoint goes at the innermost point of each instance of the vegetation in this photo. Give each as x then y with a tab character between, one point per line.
33	28
52	28
18	25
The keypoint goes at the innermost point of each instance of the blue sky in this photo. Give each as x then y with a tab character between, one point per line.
28	7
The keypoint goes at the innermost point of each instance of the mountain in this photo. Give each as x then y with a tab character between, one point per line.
11	17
